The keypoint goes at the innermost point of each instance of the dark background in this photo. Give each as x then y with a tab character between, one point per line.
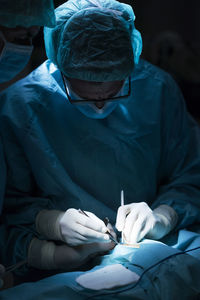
171	39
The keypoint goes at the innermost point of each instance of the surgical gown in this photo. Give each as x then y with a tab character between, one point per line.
58	158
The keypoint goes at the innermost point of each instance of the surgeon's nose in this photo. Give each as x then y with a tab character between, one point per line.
99	104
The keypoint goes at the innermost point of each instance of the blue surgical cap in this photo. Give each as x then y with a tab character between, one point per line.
94	40
27	13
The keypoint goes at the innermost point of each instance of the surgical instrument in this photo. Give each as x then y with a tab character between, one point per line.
106	221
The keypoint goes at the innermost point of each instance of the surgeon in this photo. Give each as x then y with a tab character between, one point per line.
19	23
92	120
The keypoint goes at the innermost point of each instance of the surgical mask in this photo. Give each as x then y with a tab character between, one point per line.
13	59
90	110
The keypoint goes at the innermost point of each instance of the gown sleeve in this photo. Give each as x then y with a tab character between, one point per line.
179	169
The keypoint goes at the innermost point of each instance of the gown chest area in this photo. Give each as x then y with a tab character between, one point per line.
98	156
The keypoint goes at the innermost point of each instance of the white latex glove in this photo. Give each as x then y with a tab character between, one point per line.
138	220
77	228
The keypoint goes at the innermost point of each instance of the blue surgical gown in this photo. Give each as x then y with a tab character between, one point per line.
58	158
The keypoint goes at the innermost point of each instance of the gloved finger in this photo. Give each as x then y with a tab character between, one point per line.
104	247
97	220
75	239
121	216
78	235
73	216
90	234
151	224
140	226
147	227
129	223
136	230
93	223
94	249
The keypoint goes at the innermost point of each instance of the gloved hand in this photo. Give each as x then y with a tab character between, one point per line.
77	228
71	227
2	271
69	258
47	255
138	220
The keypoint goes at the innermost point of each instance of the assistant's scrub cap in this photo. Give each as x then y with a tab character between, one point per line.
94	40
27	13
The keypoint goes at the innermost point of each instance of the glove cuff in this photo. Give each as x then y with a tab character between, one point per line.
168	214
168	220
47	224
41	254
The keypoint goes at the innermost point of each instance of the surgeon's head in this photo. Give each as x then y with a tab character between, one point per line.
95	45
20	21
96	99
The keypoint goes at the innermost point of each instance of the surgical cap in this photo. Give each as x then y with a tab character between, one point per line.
27	13
94	40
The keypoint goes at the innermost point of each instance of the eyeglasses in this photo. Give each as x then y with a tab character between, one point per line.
84	101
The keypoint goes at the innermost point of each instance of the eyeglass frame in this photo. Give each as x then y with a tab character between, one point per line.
84	101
